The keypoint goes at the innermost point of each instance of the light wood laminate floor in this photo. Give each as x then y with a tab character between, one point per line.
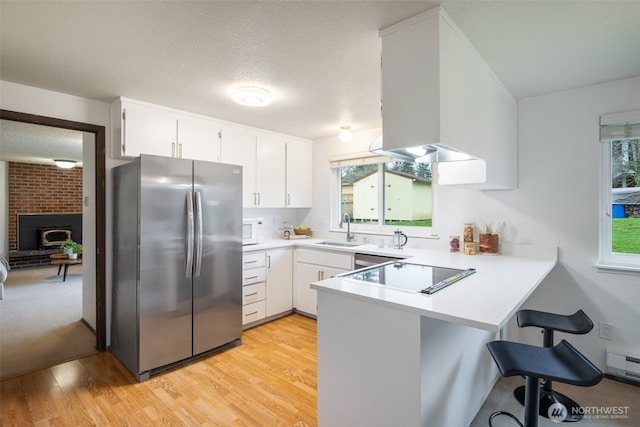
268	380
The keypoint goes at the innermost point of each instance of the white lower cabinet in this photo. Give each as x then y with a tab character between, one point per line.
279	287
254	275
267	284
313	266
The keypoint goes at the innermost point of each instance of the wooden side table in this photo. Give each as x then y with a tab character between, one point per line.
63	260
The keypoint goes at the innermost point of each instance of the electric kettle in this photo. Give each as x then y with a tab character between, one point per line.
399	239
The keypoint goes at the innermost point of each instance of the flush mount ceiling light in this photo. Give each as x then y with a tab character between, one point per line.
65	164
252	96
345	133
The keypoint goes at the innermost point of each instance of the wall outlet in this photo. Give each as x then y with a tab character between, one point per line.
606	330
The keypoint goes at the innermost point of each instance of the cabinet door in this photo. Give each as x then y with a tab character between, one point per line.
198	139
238	147
279	281
307	298
148	130
270	172
299	165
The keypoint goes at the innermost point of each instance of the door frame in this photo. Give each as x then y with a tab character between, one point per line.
100	205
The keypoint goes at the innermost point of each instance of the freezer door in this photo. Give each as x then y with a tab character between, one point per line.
217	274
165	291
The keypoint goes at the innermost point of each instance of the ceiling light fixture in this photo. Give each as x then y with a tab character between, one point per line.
65	164
345	133
252	96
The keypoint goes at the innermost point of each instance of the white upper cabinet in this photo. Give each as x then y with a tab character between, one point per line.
436	88
271	171
299	161
199	138
142	128
239	148
276	169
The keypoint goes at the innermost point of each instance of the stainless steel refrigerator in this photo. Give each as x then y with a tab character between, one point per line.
177	261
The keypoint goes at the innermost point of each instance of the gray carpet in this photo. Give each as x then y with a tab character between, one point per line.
40	320
605	396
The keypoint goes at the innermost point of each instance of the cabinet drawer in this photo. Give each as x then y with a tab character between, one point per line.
254	260
254	275
253	293
252	312
325	258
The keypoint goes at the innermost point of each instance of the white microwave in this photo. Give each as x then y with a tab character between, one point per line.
252	231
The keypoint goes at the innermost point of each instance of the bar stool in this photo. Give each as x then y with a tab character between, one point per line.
561	362
576	323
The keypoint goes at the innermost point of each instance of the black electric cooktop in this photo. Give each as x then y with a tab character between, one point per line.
409	277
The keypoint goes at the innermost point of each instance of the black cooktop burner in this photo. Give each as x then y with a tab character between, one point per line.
409	277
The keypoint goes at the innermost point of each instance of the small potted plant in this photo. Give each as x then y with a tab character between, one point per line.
71	248
67	247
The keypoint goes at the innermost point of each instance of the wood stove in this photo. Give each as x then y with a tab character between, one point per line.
53	237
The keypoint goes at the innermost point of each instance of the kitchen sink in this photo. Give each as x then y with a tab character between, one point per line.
340	244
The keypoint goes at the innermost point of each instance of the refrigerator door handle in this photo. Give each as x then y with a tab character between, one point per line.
199	233
189	234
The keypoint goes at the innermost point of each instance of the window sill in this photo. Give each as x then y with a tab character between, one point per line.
608	268
385	234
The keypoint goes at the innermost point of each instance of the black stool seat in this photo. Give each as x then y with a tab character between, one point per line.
561	362
576	323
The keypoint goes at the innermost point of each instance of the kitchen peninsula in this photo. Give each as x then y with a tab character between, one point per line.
388	357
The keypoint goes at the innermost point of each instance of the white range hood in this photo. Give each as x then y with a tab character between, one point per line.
442	103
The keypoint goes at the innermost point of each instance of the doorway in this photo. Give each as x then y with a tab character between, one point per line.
100	206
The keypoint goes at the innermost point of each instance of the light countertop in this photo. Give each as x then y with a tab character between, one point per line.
484	300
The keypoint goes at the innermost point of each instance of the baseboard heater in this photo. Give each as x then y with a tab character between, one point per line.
622	365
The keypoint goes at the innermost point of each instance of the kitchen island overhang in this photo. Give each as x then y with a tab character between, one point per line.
387	357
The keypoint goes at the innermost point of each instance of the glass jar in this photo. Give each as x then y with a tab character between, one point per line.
470	248
454	243
467	233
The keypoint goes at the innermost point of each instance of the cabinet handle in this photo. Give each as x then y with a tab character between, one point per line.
268	261
258	198
173	149
250	295
288	199
322	275
180	150
250	314
123	138
252	277
249	262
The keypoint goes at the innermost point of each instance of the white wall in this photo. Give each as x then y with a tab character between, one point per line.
556	203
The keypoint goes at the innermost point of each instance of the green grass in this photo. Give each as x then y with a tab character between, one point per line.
419	223
625	236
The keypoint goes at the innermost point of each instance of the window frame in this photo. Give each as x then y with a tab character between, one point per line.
609	260
335	225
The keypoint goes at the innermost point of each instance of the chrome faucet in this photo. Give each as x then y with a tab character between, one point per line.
347	218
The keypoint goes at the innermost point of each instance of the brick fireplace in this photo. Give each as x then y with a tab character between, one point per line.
41	190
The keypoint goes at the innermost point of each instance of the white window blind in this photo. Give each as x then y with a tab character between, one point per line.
358	159
619	126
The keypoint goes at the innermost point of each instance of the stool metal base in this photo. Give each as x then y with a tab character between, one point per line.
548	398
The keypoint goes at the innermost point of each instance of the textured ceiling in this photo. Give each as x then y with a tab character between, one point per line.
320	59
29	143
